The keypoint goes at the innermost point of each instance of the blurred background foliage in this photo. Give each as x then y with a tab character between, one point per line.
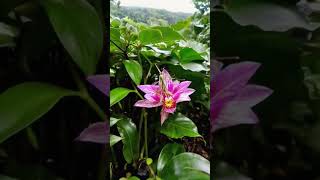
284	37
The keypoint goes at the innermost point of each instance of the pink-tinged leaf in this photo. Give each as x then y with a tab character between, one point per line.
101	82
96	132
147	104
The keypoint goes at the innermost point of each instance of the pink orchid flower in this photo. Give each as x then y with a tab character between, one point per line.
166	93
232	98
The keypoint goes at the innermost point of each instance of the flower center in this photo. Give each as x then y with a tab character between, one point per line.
169	102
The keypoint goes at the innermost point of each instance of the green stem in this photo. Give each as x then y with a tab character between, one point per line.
85	95
146	133
149	73
136	91
140	127
32	138
96	108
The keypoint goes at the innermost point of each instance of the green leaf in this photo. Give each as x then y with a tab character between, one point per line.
114	139
115	35
180	25
178	126
188	54
150	36
187	166
79	28
149	161
133	178
22	104
167	153
7	35
3	177
134	70
118	94
195	67
128	131
168	34
267	15
226	172
115	22
113	121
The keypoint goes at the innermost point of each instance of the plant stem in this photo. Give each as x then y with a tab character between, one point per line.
140	127
95	107
123	51
146	133
136	91
85	95
32	138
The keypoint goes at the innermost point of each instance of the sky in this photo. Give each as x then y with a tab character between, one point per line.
170	5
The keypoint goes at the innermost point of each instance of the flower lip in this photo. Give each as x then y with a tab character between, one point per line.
169	102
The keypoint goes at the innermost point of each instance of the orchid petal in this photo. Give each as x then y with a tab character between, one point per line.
97	133
231	116
101	82
170	110
183	96
235	75
253	94
147	104
166	76
163	116
182	86
149	88
152	97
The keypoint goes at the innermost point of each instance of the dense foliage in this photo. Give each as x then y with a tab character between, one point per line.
148	142
283	37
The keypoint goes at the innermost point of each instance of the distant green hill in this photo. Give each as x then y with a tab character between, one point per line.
147	15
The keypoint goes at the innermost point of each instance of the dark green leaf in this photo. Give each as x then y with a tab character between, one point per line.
2	177
150	36
188	54
21	105
168	34
7	35
226	172
118	94
113	121
267	15
79	28
187	166
114	139
133	178
167	153
129	134
178	126
134	70
195	67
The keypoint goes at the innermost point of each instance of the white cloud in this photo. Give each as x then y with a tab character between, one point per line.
170	5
